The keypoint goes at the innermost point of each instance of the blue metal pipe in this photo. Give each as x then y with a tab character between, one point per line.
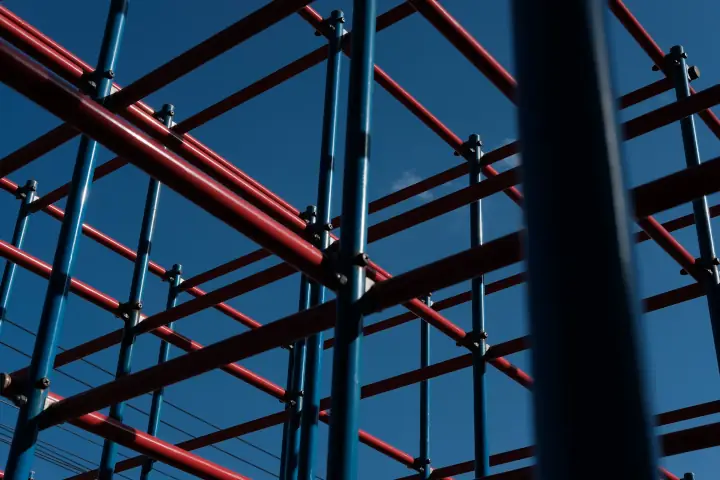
703	227
295	396
343	441
175	278
131	310
590	402
482	455
311	409
424	459
27	194
22	450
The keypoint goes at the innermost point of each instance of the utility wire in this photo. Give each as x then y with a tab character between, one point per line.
98	367
165	402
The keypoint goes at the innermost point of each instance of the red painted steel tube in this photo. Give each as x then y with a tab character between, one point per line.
678	223
110	304
666	241
462	266
643	38
153	447
281	75
645	93
62	191
674	443
688	413
467	45
214	46
225	268
68	68
443	205
37	148
32	81
239	347
671	113
677	188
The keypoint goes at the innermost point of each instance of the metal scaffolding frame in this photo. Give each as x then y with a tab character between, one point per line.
567	363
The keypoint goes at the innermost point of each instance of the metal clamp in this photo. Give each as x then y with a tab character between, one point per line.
693	71
89	81
171	274
427	300
22	192
160	114
473	340
467	149
420	464
328	23
707	266
124	310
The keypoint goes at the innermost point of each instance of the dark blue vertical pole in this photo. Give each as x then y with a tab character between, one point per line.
679	72
22	450
424	459
589	399
27	195
130	312
295	390
482	456
342	450
689	476
174	277
311	407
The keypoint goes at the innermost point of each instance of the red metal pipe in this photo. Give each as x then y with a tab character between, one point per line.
214	46
153	447
674	443
285	73
62	191
32	81
643	38
677	188
645	93
239	347
37	148
666	241
68	68
110	304
443	205
467	45
671	113
225	268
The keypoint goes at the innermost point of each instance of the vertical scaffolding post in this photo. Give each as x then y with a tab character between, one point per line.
174	277
321	239
27	194
589	397
678	70
295	403
130	311
22	450
473	155
423	462
352	259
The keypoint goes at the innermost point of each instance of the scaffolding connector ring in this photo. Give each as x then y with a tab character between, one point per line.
420	464
426	299
125	310
473	340
328	23
22	192
468	149
172	273
362	260
700	263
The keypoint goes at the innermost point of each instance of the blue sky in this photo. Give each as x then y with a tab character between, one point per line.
275	138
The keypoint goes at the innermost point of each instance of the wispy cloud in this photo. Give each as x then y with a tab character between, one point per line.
407	178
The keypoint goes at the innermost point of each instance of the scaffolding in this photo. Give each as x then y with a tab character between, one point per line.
571	366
